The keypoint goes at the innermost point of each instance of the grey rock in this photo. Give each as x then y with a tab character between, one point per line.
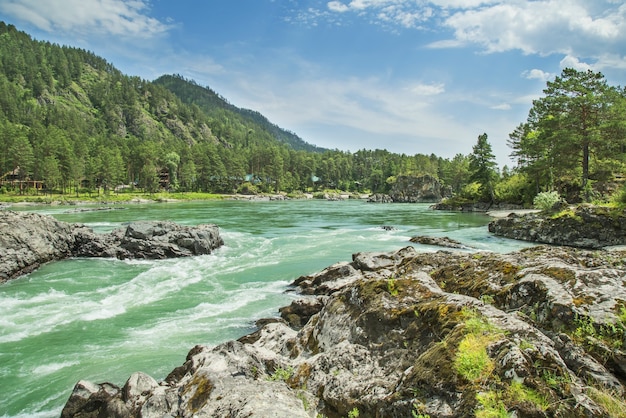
439	242
585	227
385	334
28	240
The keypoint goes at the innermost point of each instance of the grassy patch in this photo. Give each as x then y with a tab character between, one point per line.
518	392
281	374
613	404
472	360
491	405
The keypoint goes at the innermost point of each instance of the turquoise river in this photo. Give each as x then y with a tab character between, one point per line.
103	319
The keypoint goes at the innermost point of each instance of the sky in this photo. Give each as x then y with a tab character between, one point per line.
409	76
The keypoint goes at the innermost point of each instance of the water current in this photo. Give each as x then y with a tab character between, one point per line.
103	319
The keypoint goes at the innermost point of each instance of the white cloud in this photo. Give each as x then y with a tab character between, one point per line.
536	74
428	89
543	27
576	28
105	17
337	6
407	14
462	4
575	63
502	106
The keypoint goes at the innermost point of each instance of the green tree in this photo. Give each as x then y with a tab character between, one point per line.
50	172
172	161
482	167
148	178
574	124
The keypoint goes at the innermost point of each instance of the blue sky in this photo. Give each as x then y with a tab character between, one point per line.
410	76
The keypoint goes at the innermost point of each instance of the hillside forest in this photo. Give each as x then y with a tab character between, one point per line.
71	122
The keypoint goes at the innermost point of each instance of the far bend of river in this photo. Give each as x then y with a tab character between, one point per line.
103	319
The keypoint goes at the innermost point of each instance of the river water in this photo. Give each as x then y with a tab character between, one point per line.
103	319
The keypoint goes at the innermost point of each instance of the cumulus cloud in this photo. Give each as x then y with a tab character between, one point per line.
337	6
106	17
395	12
543	27
536	74
575	28
575	63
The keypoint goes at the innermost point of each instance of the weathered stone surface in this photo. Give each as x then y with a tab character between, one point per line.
420	189
151	240
583	227
413	189
380	198
389	332
438	241
475	206
28	240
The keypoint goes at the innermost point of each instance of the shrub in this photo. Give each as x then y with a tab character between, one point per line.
546	200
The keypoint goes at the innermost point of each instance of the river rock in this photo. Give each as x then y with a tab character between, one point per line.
583	227
438	241
538	332
28	240
151	240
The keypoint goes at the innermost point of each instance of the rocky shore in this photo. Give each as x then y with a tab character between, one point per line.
536	333
28	240
584	226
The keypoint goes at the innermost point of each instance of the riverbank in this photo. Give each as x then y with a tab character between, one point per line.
412	334
7	201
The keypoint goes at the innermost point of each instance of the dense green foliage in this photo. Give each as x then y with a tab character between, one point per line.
70	121
574	135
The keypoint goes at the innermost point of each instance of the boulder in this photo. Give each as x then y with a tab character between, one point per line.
439	242
417	189
28	240
583	227
538	332
151	240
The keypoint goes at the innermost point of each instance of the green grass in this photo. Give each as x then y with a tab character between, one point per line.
47	198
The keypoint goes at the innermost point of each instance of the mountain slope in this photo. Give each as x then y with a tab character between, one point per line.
70	119
215	105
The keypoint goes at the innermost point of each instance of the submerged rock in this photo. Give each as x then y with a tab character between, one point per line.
538	332
439	242
28	240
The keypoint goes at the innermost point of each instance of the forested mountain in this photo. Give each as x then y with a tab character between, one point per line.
219	108
69	120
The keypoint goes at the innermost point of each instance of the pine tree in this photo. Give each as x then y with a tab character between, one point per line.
482	167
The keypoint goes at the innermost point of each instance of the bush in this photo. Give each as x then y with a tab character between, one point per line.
471	192
516	189
546	200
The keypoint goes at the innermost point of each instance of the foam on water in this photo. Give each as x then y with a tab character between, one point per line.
104	319
46	369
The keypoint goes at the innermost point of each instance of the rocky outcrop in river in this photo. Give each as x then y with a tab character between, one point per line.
534	333
413	189
584	226
28	240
